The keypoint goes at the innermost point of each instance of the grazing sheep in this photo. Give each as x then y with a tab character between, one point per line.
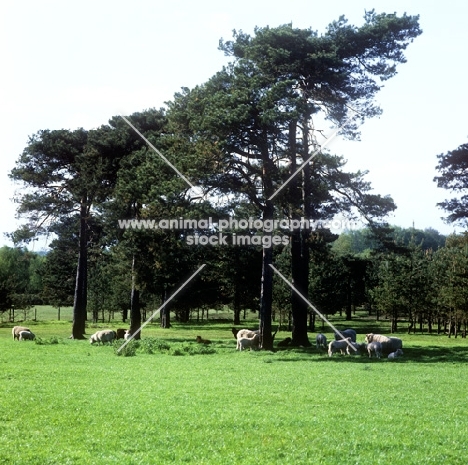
338	346
398	353
358	348
200	340
248	342
120	333
247	333
17	329
376	348
26	336
321	341
389	344
346	333
284	342
106	335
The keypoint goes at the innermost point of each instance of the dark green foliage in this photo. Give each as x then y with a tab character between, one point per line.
453	168
20	278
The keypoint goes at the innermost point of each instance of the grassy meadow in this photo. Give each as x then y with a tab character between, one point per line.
67	402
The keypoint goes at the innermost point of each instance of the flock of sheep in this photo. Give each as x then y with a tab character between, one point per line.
344	342
374	345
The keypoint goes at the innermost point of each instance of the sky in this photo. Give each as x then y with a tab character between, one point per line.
69	64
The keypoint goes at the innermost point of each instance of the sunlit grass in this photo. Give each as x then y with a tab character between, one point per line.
69	402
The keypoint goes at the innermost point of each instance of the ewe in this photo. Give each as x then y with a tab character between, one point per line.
16	331
346	333
389	344
245	342
106	335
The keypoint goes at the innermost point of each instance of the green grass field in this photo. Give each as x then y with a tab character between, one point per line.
67	402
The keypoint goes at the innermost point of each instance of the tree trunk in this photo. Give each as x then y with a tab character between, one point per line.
299	242
165	313
348	299
266	291
237	309
135	308
80	299
266	298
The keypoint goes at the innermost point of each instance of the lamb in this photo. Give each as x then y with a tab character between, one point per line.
321	341
376	348
389	344
200	340
340	346
346	333
397	354
26	336
17	329
106	335
356	349
248	342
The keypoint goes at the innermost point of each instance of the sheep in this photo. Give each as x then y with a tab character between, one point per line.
120	333
321	341
127	335
398	353
26	335
200	340
236	331
340	346
376	348
389	344
358	348
246	342
247	333
17	329
106	335
346	333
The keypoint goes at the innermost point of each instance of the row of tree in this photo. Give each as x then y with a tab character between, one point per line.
414	283
248	139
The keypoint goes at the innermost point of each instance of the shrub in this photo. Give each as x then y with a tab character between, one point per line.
42	341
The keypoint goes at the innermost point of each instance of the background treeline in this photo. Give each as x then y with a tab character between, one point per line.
420	285
247	143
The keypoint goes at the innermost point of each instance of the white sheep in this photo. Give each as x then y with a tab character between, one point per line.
248	342
246	333
346	333
389	344
106	335
376	348
17	329
26	336
393	355
127	335
338	346
321	341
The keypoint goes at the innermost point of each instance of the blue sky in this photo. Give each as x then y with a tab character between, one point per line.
68	64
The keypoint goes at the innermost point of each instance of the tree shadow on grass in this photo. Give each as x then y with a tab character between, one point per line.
426	354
